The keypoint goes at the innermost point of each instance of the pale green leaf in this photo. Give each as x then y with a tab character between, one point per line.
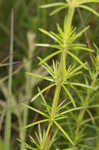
57	10
64	132
39	76
89	9
42	91
60	30
44	101
37	122
51	55
91	116
48	34
36	110
70	96
80	33
77	59
53	5
47	67
80	84
87	1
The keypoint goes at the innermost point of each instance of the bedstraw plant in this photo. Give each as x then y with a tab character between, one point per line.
70	119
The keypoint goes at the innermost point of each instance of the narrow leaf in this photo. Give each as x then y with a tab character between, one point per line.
81	32
52	5
44	101
51	55
60	30
36	110
39	76
91	116
89	9
77	59
64	132
48	34
37	122
38	94
57	10
70	96
88	1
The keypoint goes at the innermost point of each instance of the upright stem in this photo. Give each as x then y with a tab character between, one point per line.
28	87
67	29
8	112
82	113
62	65
55	101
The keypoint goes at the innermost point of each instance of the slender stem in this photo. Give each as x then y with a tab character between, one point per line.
67	29
82	113
28	87
8	112
47	137
62	65
55	101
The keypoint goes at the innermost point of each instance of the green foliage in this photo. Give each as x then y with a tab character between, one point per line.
72	118
63	87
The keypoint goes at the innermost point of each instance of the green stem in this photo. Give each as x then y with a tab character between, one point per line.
67	29
28	87
8	112
62	65
82	113
55	101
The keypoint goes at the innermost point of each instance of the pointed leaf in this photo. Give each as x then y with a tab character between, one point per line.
36	110
70	96
39	76
53	5
80	33
80	84
37	122
89	9
42	91
57	10
60	30
77	59
64	132
48	34
47	67
51	55
87	1
44	101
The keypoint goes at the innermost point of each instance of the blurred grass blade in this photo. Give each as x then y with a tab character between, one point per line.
8	111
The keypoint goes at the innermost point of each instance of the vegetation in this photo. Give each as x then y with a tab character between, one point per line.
52	98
